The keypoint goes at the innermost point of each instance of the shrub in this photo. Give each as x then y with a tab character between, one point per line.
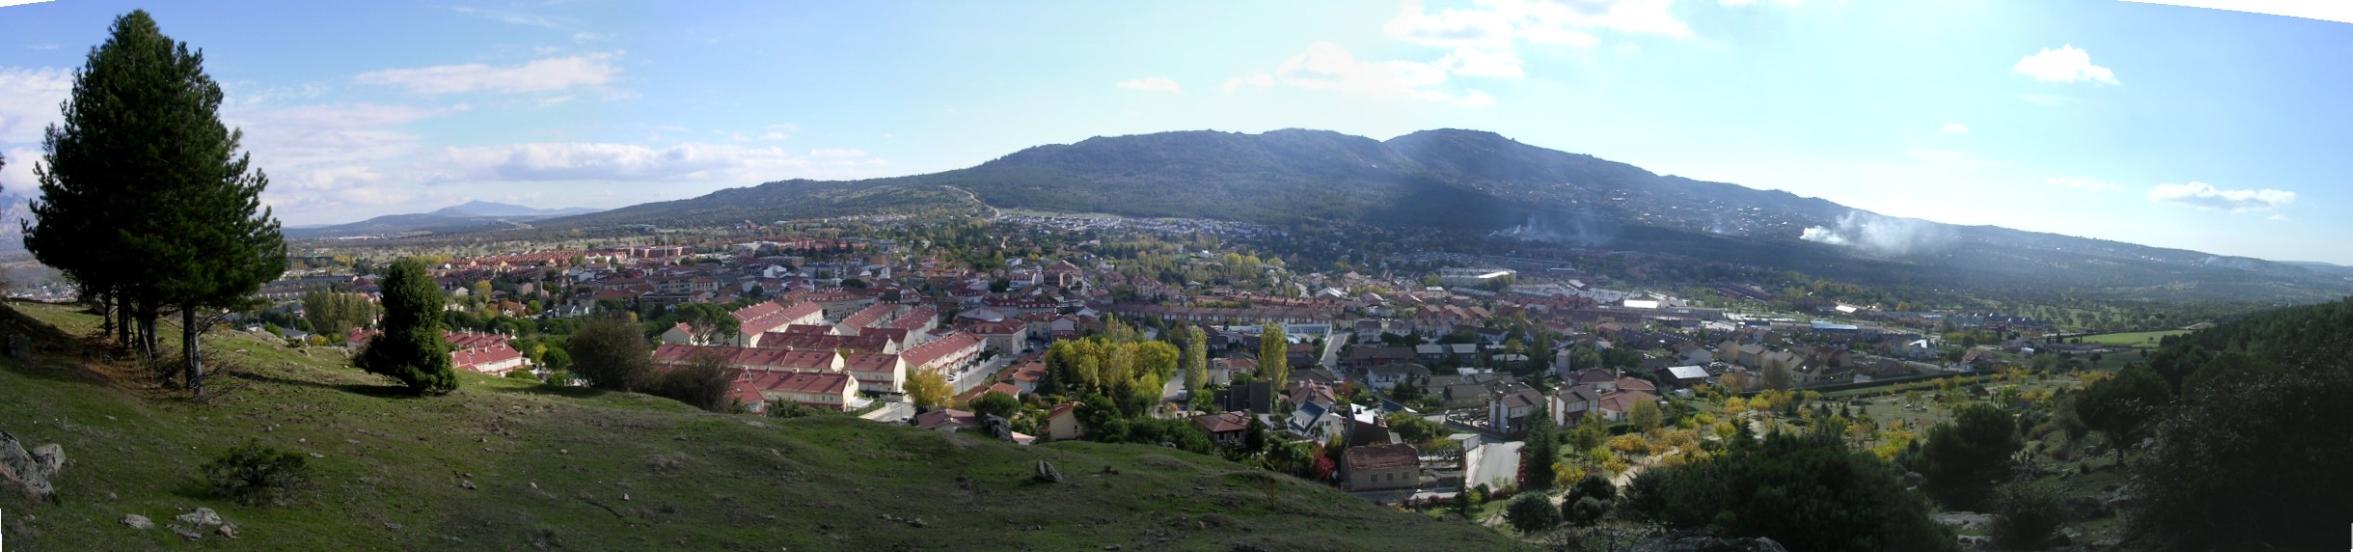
1531	512
2025	517
611	354
254	475
703	382
522	375
1584	512
1807	493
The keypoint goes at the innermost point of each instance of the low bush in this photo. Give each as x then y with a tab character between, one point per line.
255	475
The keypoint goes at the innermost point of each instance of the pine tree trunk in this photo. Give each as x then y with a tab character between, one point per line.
122	320
105	315
147	315
189	350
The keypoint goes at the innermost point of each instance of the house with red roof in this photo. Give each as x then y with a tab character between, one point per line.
876	372
1224	428
811	389
750	358
872	315
945	354
1062	423
757	320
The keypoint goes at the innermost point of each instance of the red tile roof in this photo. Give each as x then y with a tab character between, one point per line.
1226	422
1381	457
944	346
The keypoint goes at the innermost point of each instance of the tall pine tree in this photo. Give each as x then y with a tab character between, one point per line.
411	348
147	202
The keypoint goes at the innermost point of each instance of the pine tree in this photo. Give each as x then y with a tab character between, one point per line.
146	198
411	348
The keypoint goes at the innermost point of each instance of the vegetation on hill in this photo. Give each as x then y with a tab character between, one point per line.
508	464
2251	454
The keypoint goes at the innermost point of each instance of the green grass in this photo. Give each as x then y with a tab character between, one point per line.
610	471
2134	339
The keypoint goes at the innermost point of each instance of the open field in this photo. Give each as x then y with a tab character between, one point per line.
2135	339
506	464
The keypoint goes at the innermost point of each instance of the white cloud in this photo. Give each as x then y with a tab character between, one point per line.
323	157
1153	84
30	100
2206	196
1954	128
2065	64
630	162
45	46
1483	63
17	178
1483	39
837	152
1328	67
539	75
2085	184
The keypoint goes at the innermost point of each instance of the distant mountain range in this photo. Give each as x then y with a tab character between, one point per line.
1482	183
466	217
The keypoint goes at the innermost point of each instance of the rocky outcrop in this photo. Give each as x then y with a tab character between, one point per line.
30	470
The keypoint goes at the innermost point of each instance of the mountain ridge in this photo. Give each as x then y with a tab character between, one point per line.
1484	184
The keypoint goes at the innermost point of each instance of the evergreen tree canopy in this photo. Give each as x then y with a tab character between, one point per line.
146	197
411	348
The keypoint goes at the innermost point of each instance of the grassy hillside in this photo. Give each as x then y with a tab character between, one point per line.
600	471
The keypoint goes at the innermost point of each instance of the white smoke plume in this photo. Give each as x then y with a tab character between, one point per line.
1881	236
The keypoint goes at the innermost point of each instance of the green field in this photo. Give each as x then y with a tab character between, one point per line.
2134	339
610	471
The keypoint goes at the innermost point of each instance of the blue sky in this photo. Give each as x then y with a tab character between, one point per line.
2210	130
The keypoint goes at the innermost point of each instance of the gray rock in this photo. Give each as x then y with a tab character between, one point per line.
227	530
1976	542
1047	473
139	522
31	470
187	533
202	517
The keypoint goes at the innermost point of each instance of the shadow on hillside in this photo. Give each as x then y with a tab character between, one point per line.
52	352
553	391
386	391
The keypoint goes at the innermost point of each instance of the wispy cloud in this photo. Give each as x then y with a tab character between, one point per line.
2065	64
540	75
2207	196
582	161
1159	84
1954	128
1328	67
515	17
29	99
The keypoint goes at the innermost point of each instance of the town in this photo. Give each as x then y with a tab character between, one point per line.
1412	388
1048	276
